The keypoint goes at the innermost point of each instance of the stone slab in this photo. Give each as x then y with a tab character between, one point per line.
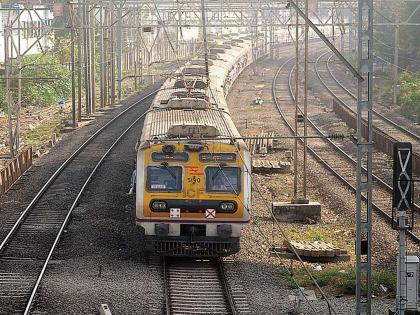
302	213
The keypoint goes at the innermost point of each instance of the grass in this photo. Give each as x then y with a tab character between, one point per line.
38	136
327	232
341	279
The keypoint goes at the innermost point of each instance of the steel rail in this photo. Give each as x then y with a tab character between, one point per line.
166	286
376	113
225	285
384	184
217	264
62	167
318	157
67	218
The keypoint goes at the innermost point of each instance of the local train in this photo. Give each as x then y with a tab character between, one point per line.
193	190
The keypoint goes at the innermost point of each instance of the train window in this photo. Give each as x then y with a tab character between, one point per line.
223	179
164	178
175	157
217	157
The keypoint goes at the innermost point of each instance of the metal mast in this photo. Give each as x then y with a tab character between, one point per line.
206	61
364	156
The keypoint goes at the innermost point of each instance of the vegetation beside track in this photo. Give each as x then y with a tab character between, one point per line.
45	82
342	280
409	98
38	136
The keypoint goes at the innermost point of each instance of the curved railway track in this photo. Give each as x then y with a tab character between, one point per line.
330	154
381	121
28	247
200	287
384	182
385	131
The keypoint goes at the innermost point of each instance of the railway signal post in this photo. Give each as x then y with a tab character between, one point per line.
402	202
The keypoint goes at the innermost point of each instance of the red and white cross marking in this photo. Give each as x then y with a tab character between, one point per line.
210	213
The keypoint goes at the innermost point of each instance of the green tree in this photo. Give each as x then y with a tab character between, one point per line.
47	80
410	95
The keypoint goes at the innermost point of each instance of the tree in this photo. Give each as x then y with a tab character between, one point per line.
47	80
410	95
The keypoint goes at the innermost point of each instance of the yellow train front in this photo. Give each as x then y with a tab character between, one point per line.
193	198
193	192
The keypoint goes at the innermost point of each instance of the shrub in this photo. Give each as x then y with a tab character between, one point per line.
410	95
53	83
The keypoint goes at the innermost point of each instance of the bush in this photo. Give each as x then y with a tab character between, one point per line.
410	95
54	80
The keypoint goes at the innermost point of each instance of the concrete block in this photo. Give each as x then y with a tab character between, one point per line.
104	309
303	213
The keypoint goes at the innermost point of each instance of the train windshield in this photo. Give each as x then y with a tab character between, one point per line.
223	179
164	178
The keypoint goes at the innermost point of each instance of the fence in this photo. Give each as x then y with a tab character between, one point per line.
14	169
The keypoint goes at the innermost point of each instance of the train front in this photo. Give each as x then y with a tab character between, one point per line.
193	198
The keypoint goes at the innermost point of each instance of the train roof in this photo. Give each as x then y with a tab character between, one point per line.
185	101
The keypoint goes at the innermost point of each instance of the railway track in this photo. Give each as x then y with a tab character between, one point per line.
386	132
200	287
330	154
380	119
29	245
381	139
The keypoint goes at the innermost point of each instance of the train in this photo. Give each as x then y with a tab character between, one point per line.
193	189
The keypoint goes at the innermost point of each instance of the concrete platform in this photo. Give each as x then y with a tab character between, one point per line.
302	213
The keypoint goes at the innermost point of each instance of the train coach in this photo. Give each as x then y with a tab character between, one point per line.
193	192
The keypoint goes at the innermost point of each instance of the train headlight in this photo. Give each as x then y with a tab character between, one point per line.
159	205
168	149
227	206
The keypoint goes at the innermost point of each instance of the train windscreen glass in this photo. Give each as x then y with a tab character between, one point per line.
223	179
164	178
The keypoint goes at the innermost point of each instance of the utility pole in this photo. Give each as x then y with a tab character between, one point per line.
86	57
295	151
305	102
19	91
364	157
206	62
92	43
112	57
119	49
102	55
72	61
79	62
396	42
9	99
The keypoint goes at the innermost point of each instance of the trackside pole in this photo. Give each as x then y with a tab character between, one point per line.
402	201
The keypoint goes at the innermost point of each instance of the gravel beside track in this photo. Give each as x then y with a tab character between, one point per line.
266	290
100	260
23	191
39	244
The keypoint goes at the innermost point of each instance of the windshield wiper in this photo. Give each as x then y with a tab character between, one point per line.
218	171
229	182
164	165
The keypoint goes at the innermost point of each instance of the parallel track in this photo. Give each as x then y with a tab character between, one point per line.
382	122
32	239
329	154
382	182
385	131
195	286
